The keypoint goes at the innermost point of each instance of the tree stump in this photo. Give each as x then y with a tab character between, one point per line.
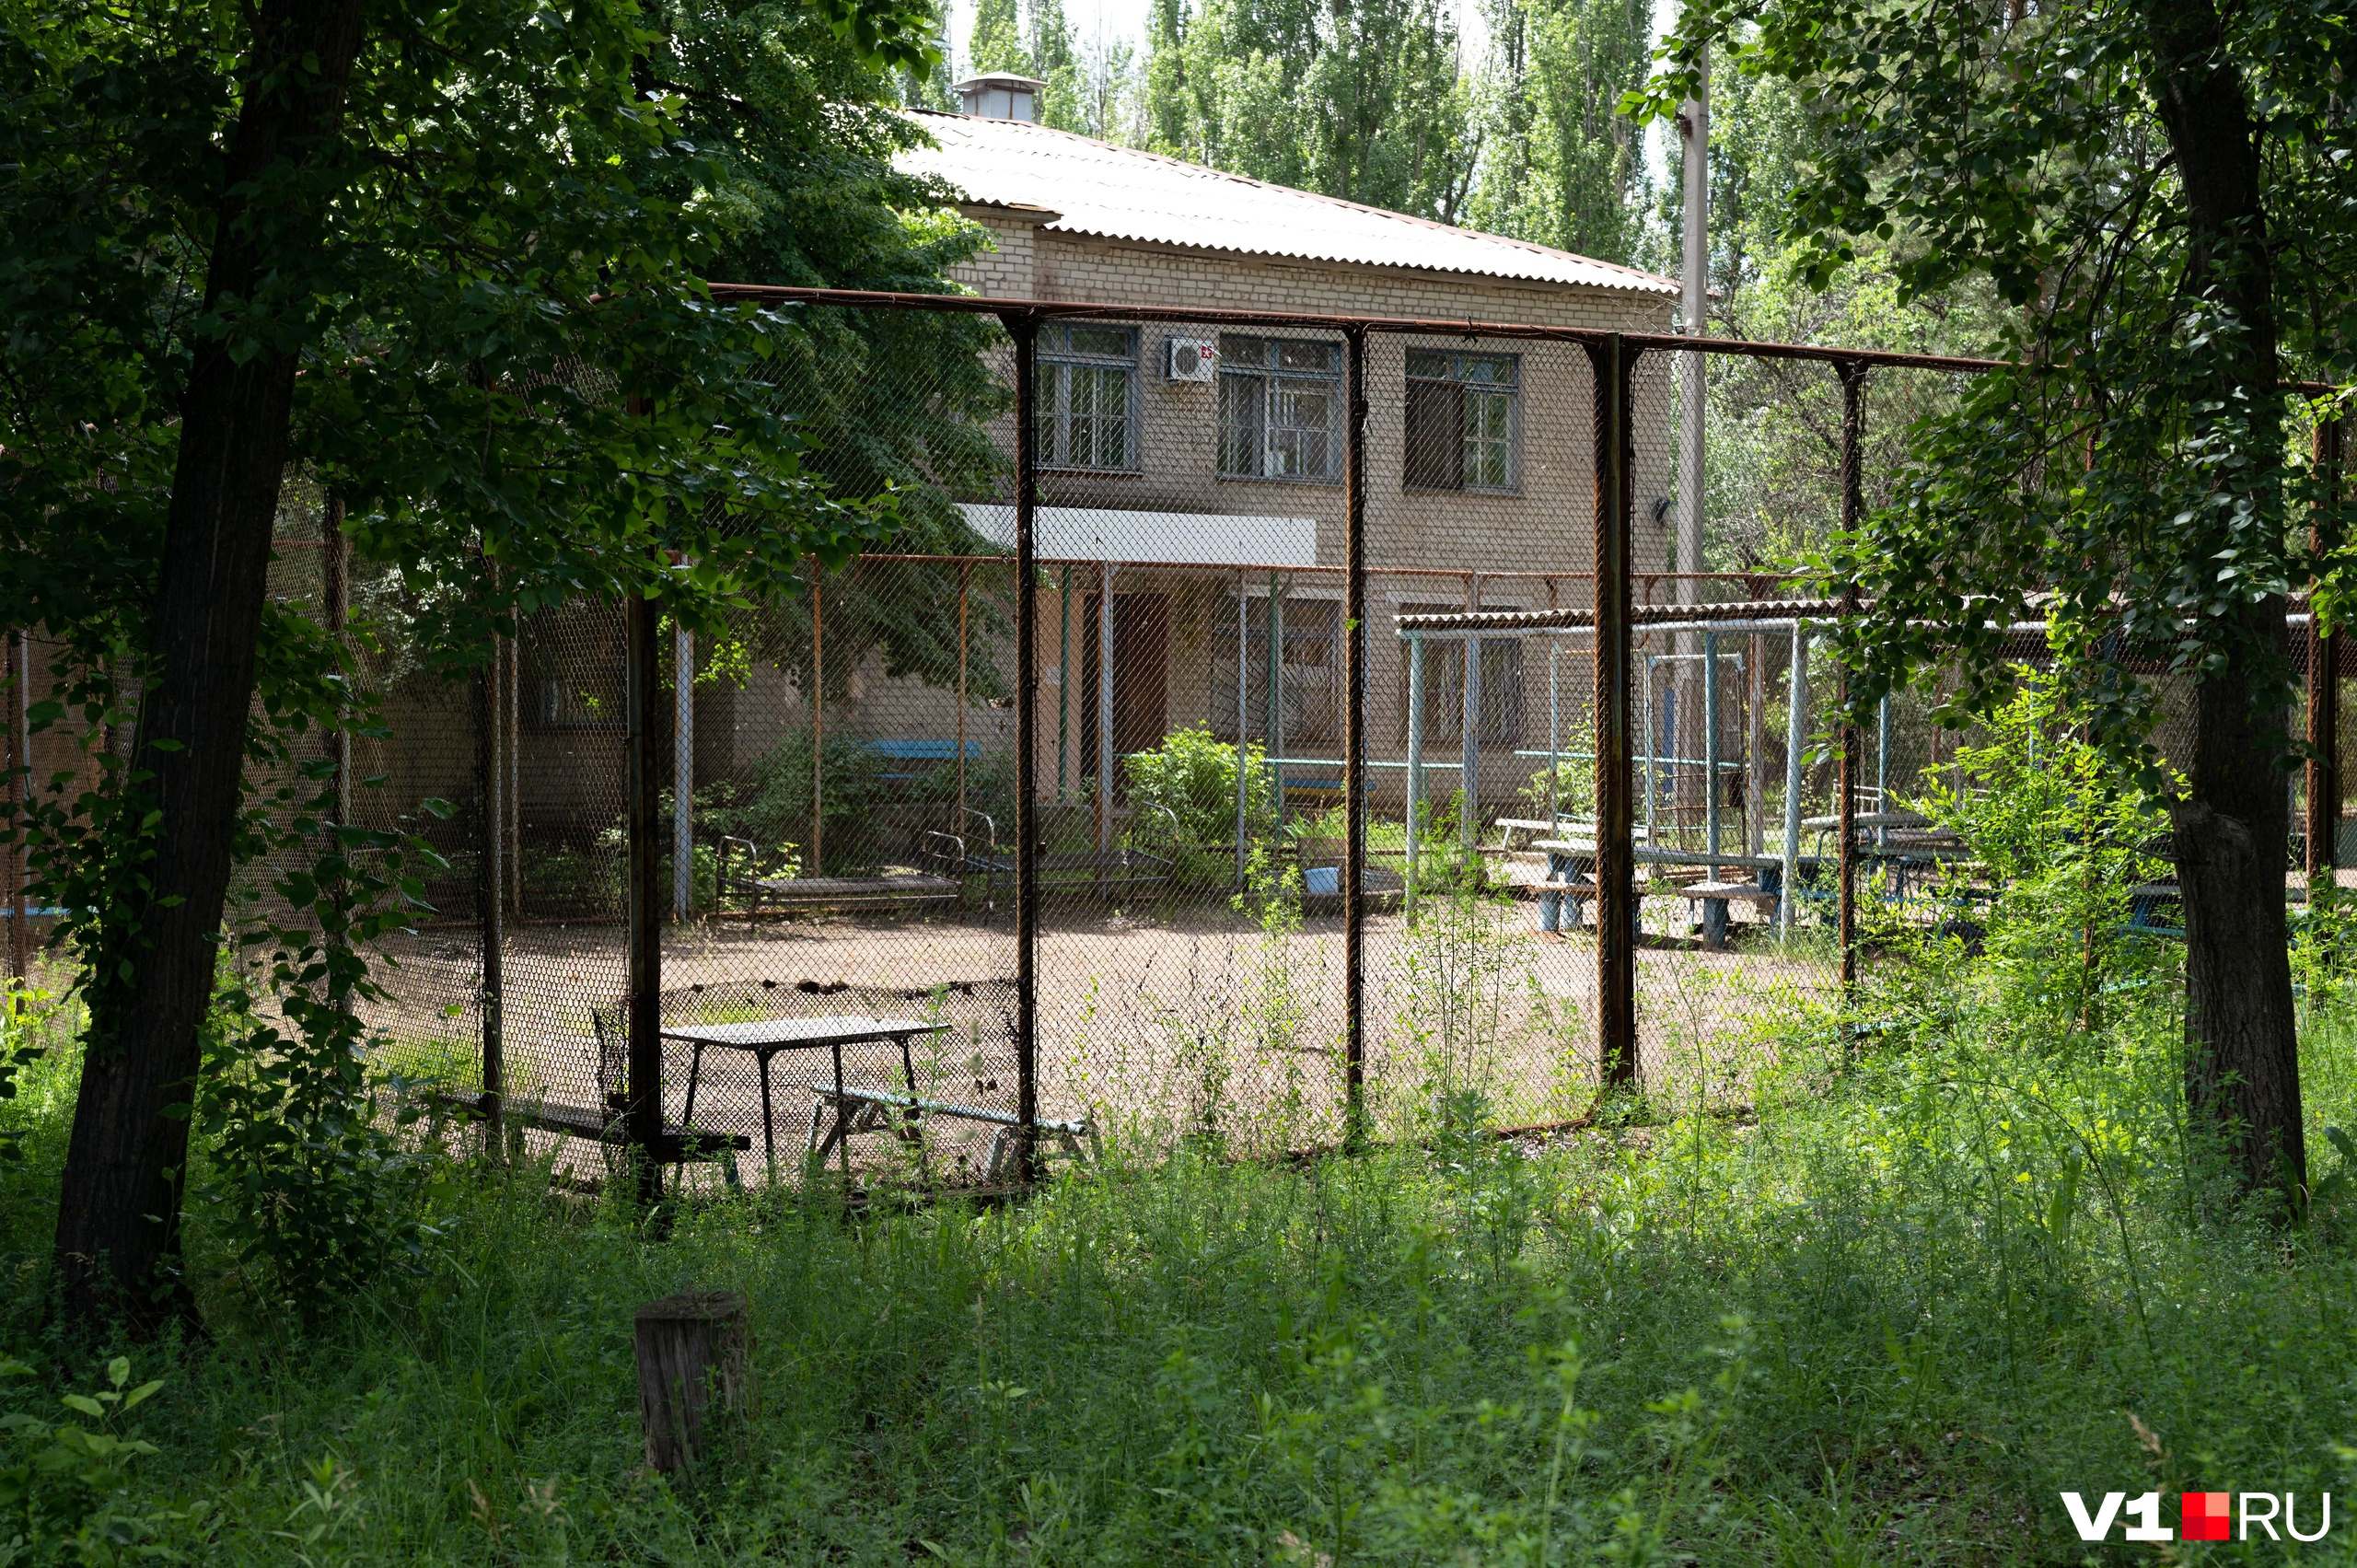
693	1349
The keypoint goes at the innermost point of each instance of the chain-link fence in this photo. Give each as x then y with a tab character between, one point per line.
1257	728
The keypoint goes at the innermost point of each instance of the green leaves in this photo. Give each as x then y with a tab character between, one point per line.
65	1489
896	33
2139	481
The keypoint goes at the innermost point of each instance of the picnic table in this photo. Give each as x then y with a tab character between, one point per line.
1571	879
1911	846
766	1038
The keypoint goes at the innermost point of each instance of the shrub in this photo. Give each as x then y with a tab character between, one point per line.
1193	777
1574	782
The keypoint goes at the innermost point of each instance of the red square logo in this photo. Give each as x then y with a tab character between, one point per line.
2205	1515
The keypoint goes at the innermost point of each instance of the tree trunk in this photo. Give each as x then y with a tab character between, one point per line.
2242	1067
119	1211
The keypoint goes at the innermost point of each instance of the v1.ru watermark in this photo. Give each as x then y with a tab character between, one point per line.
2201	1515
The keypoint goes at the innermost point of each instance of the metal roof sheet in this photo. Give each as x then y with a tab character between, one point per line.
1152	538
1122	193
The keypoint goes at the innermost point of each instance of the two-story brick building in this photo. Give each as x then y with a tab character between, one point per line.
1168	450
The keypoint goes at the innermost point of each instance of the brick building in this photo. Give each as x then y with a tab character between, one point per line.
1195	468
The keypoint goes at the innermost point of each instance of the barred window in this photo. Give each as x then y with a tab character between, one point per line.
1087	392
1464	420
1311	674
1279	409
1500	718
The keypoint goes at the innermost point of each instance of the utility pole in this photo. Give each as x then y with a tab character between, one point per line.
1694	301
1694	129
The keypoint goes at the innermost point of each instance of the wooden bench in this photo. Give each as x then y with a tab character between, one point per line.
2145	903
679	1144
1100	872
1715	896
1562	905
860	1111
914	753
828	892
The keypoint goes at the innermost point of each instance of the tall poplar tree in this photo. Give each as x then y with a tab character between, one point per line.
1563	166
1367	101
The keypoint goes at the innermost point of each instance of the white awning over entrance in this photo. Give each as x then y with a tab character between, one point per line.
1152	539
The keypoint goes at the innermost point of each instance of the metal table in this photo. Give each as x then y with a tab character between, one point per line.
764	1037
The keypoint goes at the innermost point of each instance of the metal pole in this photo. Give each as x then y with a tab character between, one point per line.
1104	707
1755	794
1024	327
1354	749
1694	127
335	583
643	1110
1276	713
1710	748
515	776
683	771
1063	682
2324	685
1415	766
1468	733
1554	740
1882	770
1694	300
1243	718
1795	735
1853	511
965	571
19	797
815	864
335	593
1651	723
1616	988
490	878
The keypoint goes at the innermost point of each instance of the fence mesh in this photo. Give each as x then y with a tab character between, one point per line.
840	771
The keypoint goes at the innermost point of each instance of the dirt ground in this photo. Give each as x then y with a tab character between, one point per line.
1153	1022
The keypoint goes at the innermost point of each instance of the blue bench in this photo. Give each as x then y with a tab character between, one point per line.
931	751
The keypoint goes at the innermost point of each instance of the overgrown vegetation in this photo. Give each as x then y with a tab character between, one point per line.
1877	1291
1887	1317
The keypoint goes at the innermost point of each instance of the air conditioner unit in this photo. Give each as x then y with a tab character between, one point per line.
1190	359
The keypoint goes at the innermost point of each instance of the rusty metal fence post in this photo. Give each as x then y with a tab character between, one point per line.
642	768
1024	327
1853	386
2324	685
1354	742
490	930
1612	361
14	686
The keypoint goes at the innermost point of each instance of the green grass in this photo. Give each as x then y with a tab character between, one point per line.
1886	1318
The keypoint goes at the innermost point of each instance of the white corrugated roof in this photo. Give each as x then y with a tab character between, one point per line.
1122	193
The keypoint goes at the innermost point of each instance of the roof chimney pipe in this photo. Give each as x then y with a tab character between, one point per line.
999	96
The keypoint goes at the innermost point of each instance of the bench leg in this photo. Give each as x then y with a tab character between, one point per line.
1714	924
914	1122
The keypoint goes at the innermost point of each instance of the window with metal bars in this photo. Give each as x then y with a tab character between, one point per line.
1088	395
1279	409
1501	696
1312	655
1463	420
